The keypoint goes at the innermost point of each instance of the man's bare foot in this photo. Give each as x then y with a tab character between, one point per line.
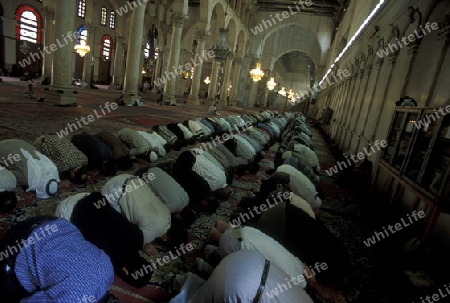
214	236
150	249
222	226
330	294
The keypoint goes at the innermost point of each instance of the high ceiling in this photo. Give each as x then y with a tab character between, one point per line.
297	62
328	8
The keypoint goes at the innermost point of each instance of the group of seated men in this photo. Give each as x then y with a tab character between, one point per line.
134	211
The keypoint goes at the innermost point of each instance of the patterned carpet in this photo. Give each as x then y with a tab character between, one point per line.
379	278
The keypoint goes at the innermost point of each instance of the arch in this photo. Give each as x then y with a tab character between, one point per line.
306	43
107	46
321	30
82	33
240	44
232	35
218	11
28	24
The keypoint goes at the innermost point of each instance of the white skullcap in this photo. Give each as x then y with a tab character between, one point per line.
153	157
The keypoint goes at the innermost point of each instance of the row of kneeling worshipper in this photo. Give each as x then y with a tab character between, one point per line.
75	253
276	246
41	165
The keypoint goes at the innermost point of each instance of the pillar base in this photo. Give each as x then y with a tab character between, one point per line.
170	99
61	97
222	103
131	99
193	101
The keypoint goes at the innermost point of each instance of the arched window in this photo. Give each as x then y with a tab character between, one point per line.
107	47
82	33
147	50
29	24
103	17
112	20
82	8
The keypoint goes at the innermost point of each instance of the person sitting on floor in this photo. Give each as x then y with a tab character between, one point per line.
59	266
104	227
69	160
131	196
32	169
121	153
29	93
170	192
98	153
243	276
213	109
8	184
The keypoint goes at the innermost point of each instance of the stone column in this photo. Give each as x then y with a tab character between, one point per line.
214	79
134	54
87	65
201	36
158	69
236	79
61	92
226	82
252	96
178	20
118	63
49	39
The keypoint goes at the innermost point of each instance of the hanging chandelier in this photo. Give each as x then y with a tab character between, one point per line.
82	49
207	81
221	50
256	74
282	92
271	83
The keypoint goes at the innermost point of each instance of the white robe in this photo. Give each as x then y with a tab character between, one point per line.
253	239
65	208
237	280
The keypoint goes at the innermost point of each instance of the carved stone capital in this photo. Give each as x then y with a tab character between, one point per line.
178	19
201	34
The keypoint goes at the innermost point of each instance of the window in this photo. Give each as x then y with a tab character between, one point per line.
106	47
112	20
82	8
104	13
147	50
29	24
82	33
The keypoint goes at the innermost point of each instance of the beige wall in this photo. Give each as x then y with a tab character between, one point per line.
363	105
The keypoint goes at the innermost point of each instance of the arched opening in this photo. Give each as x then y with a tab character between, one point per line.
104	74
150	55
28	41
79	61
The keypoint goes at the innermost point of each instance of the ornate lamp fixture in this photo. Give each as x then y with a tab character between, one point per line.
82	49
282	92
256	74
185	74
271	83
207	81
221	50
